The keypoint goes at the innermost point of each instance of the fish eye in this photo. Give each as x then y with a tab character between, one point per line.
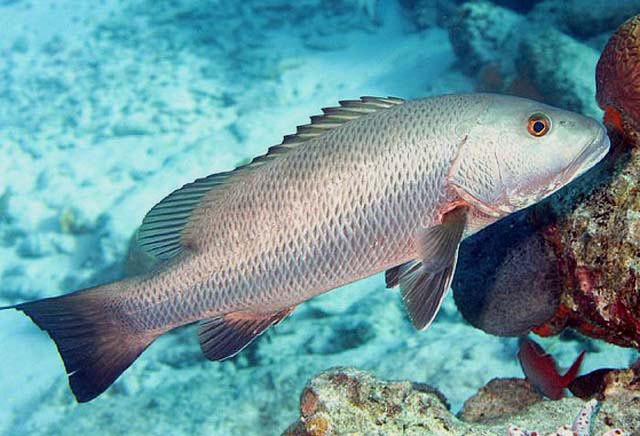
539	125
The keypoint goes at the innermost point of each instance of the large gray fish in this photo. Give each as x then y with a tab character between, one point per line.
375	184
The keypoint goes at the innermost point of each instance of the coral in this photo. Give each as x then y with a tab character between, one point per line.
490	295
480	32
556	64
581	426
589	231
343	400
350	401
572	17
617	81
428	13
499	399
496	46
596	236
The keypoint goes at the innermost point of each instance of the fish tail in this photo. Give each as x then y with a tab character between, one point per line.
572	372
95	343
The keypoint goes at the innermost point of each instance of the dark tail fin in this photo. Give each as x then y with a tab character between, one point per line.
572	372
95	345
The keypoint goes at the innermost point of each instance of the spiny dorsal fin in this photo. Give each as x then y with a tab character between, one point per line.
162	233
336	116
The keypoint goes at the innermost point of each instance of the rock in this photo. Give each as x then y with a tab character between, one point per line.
573	17
501	398
592	227
596	238
560	68
515	288
620	384
429	13
618	88
521	6
481	33
619	387
342	401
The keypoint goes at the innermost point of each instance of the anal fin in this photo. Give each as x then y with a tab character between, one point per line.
225	336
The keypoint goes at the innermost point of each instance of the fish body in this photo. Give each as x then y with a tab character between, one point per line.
377	184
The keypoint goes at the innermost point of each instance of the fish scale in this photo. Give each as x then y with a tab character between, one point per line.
361	209
376	184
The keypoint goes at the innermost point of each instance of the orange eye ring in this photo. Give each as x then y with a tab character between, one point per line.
539	125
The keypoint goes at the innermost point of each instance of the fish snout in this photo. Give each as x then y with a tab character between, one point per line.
592	153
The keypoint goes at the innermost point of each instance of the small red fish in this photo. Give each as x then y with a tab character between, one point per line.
541	371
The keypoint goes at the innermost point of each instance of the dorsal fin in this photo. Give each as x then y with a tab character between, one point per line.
336	116
162	231
159	233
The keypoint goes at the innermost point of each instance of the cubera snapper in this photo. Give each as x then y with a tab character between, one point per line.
376	184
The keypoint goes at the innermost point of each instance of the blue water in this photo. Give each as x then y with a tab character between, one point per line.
107	106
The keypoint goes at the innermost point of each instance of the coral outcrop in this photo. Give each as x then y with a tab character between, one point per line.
498	400
596	238
480	31
547	63
492	295
618	81
554	63
342	401
586	236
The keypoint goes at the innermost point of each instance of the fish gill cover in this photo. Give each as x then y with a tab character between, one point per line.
107	108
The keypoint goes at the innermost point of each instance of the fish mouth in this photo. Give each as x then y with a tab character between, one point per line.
590	155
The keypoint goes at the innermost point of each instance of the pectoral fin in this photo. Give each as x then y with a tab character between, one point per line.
424	285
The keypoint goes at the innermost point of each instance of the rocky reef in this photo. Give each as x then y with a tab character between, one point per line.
342	401
555	45
578	252
596	239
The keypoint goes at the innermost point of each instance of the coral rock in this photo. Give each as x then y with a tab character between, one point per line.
499	399
343	400
571	16
597	239
617	78
591	227
556	64
490	294
480	32
618	387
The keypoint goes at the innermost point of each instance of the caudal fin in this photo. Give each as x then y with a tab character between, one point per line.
572	372
95	345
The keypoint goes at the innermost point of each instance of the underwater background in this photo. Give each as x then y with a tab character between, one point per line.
107	106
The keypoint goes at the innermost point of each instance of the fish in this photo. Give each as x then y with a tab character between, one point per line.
374	184
541	371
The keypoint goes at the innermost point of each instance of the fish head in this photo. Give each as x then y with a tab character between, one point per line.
519	151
